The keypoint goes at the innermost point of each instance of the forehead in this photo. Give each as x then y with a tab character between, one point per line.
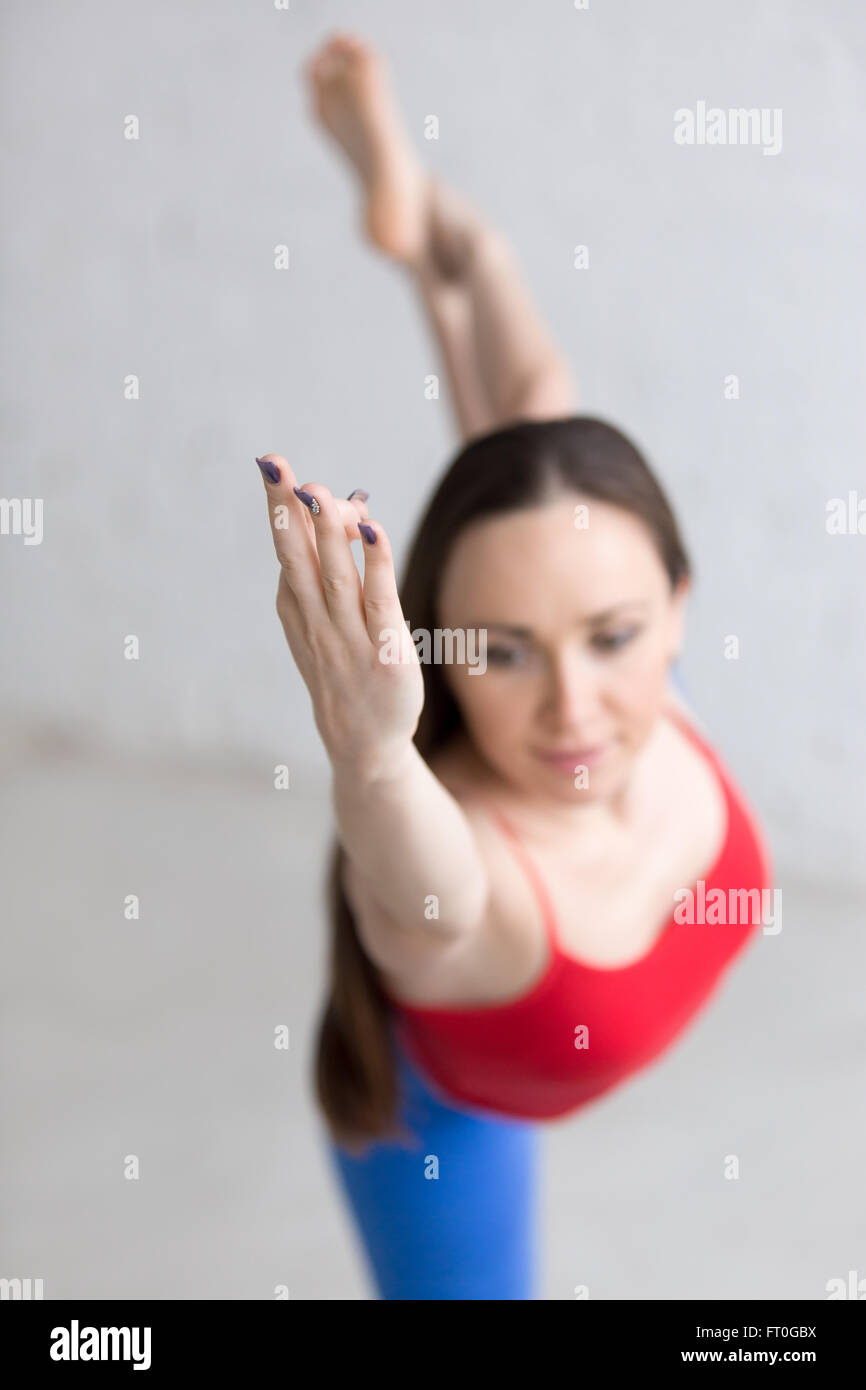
538	561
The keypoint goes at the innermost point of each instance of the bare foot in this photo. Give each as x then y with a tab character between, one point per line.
353	100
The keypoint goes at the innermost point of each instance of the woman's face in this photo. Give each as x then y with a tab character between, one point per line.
581	629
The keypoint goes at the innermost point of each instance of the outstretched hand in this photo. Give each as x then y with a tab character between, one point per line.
349	639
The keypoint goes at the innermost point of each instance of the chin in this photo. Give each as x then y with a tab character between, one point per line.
598	785
600	781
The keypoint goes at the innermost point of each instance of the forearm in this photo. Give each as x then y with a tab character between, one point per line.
410	839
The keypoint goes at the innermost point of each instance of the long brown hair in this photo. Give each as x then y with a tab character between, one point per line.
519	466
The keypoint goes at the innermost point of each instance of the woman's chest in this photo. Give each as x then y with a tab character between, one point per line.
604	901
610	907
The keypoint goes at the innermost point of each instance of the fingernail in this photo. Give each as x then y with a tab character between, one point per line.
270	470
367	532
359	492
308	500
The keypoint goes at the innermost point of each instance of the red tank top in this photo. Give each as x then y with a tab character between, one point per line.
582	1029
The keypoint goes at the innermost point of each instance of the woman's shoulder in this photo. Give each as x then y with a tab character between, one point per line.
458	767
743	824
463	772
676	705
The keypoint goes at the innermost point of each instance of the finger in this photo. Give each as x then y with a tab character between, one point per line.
289	614
294	539
340	580
303	644
353	509
382	608
359	497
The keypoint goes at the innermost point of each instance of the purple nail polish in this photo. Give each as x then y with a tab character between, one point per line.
270	470
308	500
367	532
359	492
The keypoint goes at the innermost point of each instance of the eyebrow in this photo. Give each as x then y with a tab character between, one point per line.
594	621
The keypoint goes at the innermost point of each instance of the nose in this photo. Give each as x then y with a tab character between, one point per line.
571	700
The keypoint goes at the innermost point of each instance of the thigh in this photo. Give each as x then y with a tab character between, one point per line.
451	1214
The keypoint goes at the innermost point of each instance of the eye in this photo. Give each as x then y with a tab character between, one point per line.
498	655
613	641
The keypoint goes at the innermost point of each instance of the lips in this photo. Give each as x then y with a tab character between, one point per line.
570	758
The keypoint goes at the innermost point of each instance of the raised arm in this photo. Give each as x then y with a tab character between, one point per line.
405	834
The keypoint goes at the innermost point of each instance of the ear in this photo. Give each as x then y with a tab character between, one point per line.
678	615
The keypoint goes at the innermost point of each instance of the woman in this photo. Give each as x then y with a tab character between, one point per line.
519	823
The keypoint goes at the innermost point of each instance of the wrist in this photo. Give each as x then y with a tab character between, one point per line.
378	765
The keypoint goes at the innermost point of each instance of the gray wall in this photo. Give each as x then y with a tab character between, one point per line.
155	257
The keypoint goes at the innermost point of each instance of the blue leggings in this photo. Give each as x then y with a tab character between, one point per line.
452	1215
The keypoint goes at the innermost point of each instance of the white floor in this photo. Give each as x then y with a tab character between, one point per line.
154	1038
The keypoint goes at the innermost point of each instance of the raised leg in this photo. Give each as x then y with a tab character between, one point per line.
500	360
